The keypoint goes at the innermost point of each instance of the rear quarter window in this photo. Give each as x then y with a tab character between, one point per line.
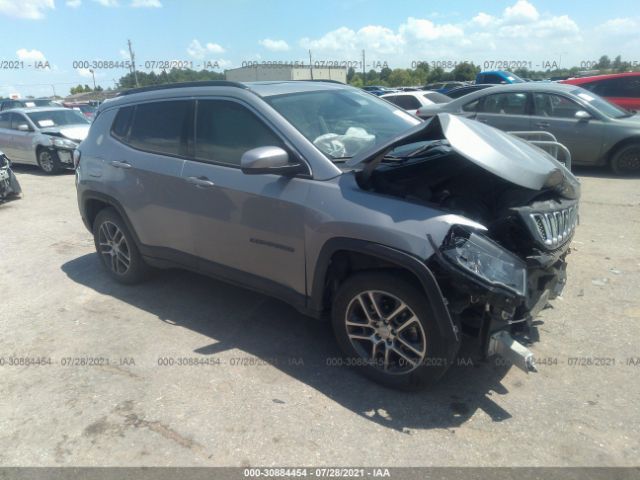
122	122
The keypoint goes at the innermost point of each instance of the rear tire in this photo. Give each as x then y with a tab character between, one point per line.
117	249
386	330
626	161
48	161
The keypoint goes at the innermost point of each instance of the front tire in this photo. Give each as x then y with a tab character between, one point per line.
386	330
117	249
48	161
626	161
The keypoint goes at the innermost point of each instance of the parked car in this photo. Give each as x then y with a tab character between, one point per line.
595	131
9	186
498	77
623	89
26	103
412	101
44	136
339	203
443	87
87	110
378	90
461	91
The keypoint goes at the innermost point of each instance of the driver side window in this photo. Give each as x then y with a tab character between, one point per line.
555	106
225	130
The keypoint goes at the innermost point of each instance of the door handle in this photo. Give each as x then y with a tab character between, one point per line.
118	164
542	124
202	182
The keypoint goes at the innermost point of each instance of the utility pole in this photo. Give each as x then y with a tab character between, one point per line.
93	74
364	75
133	62
310	65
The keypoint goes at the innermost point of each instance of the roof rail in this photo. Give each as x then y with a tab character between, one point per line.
165	86
326	81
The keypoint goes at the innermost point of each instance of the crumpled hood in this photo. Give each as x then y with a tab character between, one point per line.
77	133
504	155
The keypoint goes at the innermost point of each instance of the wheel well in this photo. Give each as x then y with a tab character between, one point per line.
344	263
621	144
92	207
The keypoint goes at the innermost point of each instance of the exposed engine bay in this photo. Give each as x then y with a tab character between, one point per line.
535	225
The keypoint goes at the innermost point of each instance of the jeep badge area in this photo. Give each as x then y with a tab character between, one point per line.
407	234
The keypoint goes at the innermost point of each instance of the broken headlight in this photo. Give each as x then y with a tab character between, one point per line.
485	260
64	143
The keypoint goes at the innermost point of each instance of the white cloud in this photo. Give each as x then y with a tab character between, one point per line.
107	3
84	72
146	4
73	3
197	50
274	45
483	19
29	9
521	12
620	26
32	55
422	29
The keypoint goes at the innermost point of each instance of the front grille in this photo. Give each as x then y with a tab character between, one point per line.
556	227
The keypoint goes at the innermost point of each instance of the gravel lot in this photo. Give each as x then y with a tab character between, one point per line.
268	395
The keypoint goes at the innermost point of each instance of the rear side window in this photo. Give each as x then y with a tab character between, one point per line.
4	121
225	130
161	127
624	87
408	102
437	97
120	127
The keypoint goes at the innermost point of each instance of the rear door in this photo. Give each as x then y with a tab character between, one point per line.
556	114
143	170
22	142
248	228
507	111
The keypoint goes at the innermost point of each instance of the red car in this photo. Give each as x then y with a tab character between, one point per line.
623	89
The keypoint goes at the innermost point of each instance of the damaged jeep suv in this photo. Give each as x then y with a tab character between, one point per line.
408	235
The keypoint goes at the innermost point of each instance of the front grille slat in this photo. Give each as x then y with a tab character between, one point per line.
552	229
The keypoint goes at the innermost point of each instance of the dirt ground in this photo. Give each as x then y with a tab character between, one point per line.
185	370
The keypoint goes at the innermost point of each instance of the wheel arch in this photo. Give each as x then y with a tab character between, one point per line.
618	146
340	257
93	202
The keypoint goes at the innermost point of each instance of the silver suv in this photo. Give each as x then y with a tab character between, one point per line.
406	234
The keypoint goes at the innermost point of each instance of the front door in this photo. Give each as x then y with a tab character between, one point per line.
556	114
248	228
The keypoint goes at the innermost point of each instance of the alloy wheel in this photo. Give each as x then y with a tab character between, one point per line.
46	161
385	332
114	248
630	161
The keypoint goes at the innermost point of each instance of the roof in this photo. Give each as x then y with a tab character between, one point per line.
34	109
595	78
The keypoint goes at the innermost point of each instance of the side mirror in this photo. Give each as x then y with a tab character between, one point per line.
582	115
272	160
23	127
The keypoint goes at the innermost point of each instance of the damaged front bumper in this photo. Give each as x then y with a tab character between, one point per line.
498	313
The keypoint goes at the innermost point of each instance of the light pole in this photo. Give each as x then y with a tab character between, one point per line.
94	78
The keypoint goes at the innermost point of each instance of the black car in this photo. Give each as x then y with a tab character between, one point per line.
461	91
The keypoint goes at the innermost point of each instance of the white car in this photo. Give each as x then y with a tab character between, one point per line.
412	101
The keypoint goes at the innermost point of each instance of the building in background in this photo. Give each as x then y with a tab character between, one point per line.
284	72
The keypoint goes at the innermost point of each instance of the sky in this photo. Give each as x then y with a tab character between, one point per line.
43	43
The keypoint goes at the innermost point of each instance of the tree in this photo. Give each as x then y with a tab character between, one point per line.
350	74
617	64
604	63
465	71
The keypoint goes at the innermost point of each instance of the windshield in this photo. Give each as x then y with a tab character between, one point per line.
56	118
605	107
341	123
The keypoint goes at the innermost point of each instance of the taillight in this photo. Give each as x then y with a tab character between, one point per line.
76	158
